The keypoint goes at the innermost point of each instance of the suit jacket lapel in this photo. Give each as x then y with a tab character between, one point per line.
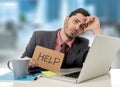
51	40
73	51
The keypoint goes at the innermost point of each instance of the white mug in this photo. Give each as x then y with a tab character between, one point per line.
19	67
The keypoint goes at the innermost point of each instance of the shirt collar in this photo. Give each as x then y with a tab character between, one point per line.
69	43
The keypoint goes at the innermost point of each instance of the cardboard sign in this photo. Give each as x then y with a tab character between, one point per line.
48	59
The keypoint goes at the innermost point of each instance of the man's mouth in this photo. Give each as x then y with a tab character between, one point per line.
73	32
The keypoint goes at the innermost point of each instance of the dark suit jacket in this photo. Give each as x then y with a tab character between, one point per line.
76	54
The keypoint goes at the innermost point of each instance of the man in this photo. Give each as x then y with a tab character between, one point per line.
78	22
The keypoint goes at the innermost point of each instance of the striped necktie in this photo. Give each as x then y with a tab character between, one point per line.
64	50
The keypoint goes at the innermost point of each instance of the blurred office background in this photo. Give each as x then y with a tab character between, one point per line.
19	18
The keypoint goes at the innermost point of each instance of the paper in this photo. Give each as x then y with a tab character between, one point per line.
48	59
48	73
10	76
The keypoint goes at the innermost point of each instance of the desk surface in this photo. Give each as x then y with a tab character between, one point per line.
110	80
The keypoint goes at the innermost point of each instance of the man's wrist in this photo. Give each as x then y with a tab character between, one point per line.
97	31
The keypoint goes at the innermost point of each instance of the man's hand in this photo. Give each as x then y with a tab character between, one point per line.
32	63
93	25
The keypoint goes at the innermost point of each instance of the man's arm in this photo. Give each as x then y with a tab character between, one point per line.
30	47
30	50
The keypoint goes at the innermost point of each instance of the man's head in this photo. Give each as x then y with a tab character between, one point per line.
81	11
72	23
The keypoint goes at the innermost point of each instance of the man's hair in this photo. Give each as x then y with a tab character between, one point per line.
81	11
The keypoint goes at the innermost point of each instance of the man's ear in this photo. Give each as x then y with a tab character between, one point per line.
66	19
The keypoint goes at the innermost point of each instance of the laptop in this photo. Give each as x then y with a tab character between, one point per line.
98	61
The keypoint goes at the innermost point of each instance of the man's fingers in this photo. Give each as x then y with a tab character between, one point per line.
90	19
32	63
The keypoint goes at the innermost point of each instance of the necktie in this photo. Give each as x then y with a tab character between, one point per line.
63	50
64	47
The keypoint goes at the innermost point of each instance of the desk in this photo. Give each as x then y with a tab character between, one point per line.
110	80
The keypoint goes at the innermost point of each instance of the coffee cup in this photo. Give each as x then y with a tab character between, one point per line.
19	67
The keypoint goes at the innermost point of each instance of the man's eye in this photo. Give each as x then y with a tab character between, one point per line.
75	21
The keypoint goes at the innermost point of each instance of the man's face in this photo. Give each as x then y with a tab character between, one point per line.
74	25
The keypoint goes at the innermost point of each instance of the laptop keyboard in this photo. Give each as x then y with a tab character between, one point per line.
73	75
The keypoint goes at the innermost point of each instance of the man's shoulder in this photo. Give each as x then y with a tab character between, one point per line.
82	39
43	32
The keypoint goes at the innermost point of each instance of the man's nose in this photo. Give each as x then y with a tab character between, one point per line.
77	26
